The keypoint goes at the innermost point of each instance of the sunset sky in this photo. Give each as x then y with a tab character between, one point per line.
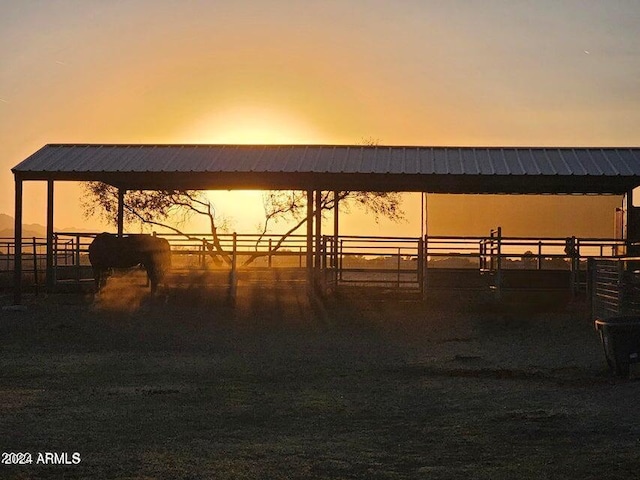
513	73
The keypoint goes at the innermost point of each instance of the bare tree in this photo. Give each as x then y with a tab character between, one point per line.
171	209
287	205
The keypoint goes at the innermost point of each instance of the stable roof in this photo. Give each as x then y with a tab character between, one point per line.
341	167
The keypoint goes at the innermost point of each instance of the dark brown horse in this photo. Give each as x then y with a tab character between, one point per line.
108	251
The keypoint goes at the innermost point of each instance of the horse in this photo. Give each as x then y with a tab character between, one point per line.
108	251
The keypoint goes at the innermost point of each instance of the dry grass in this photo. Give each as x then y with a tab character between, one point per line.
186	387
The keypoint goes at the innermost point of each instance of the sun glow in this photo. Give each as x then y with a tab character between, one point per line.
251	125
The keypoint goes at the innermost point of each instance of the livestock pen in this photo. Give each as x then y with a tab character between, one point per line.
407	264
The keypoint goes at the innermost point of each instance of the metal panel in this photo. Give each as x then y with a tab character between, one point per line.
557	161
469	162
617	168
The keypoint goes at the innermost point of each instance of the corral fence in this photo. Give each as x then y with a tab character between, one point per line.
615	286
403	263
492	262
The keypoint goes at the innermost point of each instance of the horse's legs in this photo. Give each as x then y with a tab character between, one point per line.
152	276
97	278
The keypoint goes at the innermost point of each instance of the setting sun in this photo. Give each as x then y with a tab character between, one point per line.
250	125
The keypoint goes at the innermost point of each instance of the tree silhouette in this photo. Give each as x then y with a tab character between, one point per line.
171	209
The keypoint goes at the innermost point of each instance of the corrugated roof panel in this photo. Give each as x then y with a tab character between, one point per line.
225	160
129	158
364	157
228	160
485	164
573	163
119	156
194	156
630	161
592	167
356	158
334	159
603	161
64	160
528	161
253	160
302	159
380	163
541	160
557	162
397	160
284	156
333	156
52	159
454	165
166	162
152	156
201	159
310	161
583	157
411	161
426	161
93	158
256	161
512	162
440	161
469	164
634	159
311	157
498	163
336	163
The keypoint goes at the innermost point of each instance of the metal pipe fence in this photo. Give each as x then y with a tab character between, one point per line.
614	286
400	262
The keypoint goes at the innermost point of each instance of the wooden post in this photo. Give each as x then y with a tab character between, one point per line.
55	257
590	278
498	282
575	267
121	192
35	265
317	264
628	228
336	233
50	253
233	275
340	259
539	262
17	254
318	225
309	264
620	287
420	262
77	261
269	258
324	252
425	264
398	267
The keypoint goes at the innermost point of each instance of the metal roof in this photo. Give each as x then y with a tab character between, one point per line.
343	167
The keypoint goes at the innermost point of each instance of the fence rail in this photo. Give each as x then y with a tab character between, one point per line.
400	262
615	286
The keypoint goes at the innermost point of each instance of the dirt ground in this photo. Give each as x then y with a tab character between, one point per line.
185	386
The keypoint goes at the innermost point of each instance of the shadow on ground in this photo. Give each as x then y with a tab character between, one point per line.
280	386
